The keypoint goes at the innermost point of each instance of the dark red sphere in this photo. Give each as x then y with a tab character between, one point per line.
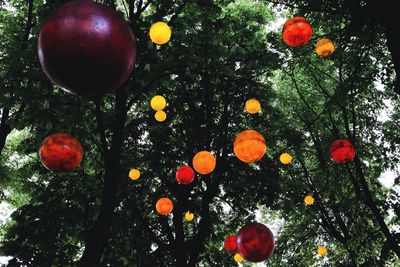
255	242
185	175
60	152
230	244
296	31
342	151
87	48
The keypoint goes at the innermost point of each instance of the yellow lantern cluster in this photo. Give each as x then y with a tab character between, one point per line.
252	106
160	33
189	216
134	174
238	258
158	103
309	200
285	158
322	250
324	47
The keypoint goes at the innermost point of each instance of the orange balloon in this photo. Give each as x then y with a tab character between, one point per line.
164	206
204	162
249	146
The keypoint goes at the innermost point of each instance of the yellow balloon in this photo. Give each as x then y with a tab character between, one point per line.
160	33
160	116
158	103
238	258
285	158
309	200
252	106
134	174
189	216
324	47
322	250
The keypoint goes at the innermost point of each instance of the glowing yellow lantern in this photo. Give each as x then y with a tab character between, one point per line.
322	250
324	47
252	106
249	146
134	174
160	116
160	33
309	200
164	206
189	216
204	162
158	103
285	158
238	258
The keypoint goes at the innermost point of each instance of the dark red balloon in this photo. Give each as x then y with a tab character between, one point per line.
255	242
296	31
60	152
87	48
342	151
230	244
185	175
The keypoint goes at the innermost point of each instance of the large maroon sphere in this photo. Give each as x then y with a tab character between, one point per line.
87	48
60	152
185	175
342	151
255	242
230	244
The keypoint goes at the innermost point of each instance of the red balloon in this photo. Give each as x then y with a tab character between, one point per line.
342	151
230	244
255	242
296	31
185	175
87	48
60	152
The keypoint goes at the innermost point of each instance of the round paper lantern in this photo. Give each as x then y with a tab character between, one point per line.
160	33
252	106
322	250
324	47
309	200
285	158
184	175
160	116
249	146
61	152
204	162
134	174
255	242
296	31
86	48
342	151
230	244
189	216
158	103
164	206
238	258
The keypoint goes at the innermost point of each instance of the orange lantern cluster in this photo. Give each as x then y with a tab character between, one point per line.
249	146
164	206
204	162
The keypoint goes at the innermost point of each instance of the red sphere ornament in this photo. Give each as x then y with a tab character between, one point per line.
342	151
230	244
86	48
296	31
60	152
255	242
185	175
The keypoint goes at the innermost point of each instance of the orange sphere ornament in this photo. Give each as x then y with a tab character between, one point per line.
249	146
252	106
204	162
134	174
238	258
164	206
160	116
324	47
296	32
61	152
285	158
189	216
322	250
309	200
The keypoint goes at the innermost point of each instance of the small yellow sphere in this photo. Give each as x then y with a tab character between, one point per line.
324	47
252	106
134	174
285	158
322	250
160	116
238	258
309	200
160	33
158	103
189	216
